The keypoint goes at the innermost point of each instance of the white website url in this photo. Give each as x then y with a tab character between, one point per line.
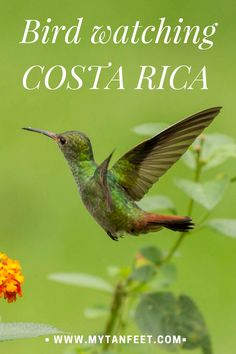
113	339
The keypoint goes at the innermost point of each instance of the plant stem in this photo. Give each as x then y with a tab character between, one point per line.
117	303
124	314
203	218
182	235
174	248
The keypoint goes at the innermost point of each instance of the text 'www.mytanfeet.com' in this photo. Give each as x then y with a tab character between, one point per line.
116	339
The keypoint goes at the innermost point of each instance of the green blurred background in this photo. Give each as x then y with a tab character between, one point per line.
43	222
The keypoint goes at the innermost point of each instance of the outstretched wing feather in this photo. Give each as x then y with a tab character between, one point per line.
143	165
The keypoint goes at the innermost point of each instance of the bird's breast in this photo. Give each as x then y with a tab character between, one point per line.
114	219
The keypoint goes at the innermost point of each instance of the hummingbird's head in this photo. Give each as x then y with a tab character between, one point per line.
75	145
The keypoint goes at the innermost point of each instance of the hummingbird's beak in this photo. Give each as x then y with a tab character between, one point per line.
44	132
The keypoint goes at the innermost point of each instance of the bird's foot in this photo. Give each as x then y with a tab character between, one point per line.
113	237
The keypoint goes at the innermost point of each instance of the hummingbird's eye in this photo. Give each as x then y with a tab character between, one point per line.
62	140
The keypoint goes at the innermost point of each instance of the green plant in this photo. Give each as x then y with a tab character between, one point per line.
142	292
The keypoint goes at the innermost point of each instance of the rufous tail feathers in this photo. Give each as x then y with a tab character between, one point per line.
155	222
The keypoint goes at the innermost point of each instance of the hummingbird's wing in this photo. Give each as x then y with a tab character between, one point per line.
101	175
143	165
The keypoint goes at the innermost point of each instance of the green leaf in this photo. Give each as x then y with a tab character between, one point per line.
189	159
192	325
96	311
115	271
223	226
18	330
81	279
159	202
149	128
153	254
224	154
217	148
208	194
167	275
164	314
143	274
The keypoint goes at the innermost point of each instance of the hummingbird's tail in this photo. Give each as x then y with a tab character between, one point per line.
155	222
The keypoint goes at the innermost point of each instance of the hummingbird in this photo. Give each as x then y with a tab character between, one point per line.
111	194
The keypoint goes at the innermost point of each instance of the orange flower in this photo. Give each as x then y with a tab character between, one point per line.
10	278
